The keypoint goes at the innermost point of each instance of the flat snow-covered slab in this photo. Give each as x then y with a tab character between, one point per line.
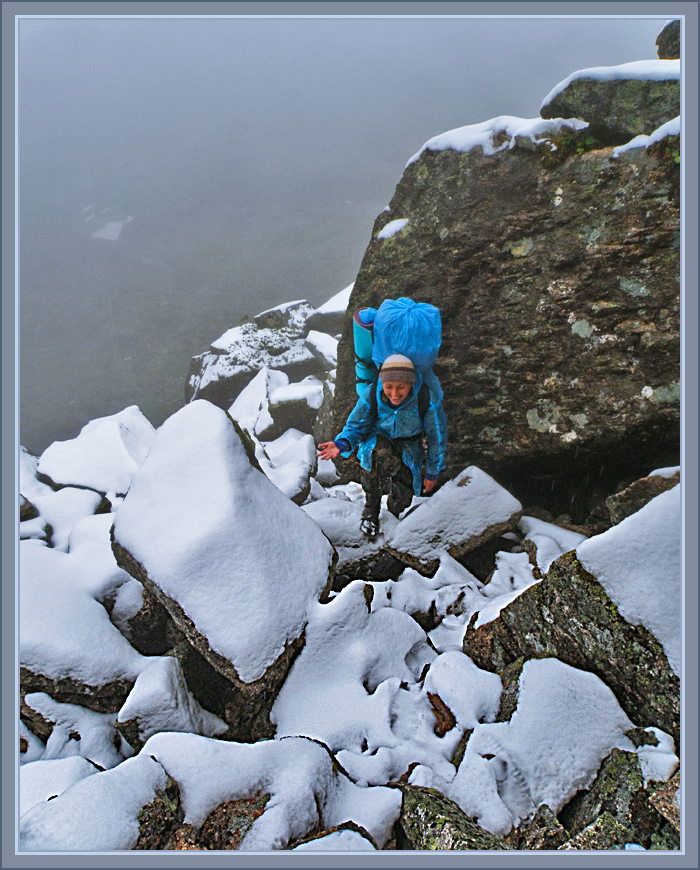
638	562
239	560
466	512
105	454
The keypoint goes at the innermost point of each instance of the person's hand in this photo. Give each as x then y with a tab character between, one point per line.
428	485
328	450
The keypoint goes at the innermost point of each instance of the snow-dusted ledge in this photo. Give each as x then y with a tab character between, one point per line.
649	70
484	135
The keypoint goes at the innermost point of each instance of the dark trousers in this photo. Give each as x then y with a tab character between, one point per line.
389	476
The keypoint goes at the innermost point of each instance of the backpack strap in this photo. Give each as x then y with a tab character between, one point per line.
423	401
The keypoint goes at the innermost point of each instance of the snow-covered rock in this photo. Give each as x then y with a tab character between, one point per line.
465	512
307	790
612	607
289	462
341	688
295	406
42	780
161	701
324	347
330	316
618	102
221	373
74	731
105	454
63	509
638	562
358	557
99	813
67	644
252	406
565	723
234	562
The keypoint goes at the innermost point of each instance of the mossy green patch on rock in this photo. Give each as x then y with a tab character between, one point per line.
430	821
569	616
618	790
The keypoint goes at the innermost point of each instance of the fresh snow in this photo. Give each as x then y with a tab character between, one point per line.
97	814
324	347
339	520
161	701
105	454
251	409
392	228
341	687
484	135
63	509
310	390
670	128
337	303
64	631
42	780
650	70
638	562
79	732
552	541
222	541
289	461
463	508
566	722
305	790
338	841
669	471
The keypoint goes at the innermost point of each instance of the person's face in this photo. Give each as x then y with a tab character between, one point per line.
396	391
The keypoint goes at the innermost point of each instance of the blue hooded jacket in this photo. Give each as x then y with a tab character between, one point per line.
403	421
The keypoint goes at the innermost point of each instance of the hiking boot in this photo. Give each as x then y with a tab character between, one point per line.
369	524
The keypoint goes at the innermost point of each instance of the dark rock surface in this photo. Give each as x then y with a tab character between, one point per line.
664	800
557	276
633	498
619	791
569	616
543	831
105	698
604	834
669	41
430	821
618	110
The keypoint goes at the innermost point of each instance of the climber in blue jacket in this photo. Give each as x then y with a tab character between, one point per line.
387	428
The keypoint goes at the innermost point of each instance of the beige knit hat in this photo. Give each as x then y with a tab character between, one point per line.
397	368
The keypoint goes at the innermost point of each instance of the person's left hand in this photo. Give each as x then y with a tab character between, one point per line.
428	485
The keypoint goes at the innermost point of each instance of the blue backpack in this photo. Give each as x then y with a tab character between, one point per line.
400	326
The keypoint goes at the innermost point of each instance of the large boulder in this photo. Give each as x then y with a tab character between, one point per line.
232	560
669	41
619	102
462	515
625	631
557	275
104	456
68	648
